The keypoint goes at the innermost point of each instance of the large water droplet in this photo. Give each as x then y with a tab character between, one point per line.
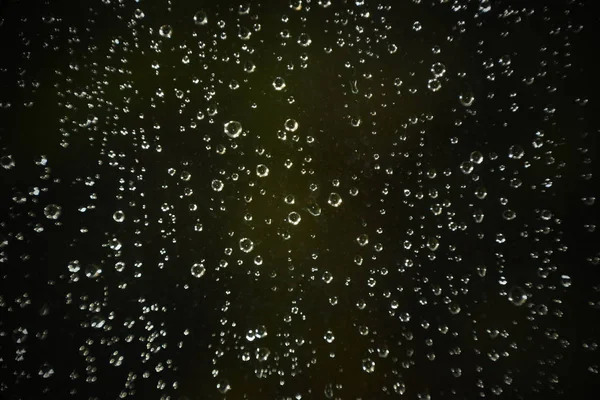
233	129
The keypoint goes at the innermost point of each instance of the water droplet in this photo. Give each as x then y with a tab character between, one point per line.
296	5
217	185
476	157
368	365
93	271
478	215
46	371
438	69
97	322
355	122
334	199
279	83
466	167
313	208
291	125
433	244
7	162
20	335
362	239
119	216
233	129
454	308
262	354
200	18
52	211
481	193
509	215
294	218
565	280
289	199
466	99
329	338
304	40
262	170
114	244
249	66
485	6
261	332
198	270
434	85
166	31
223	386
246	245
327	277
517	296
516	152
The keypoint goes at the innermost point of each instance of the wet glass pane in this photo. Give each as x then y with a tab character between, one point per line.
299	199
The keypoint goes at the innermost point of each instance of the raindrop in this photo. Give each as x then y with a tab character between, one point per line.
516	152
261	332
244	33
246	245
438	69
93	271
223	386
334	199
454	308
52	211
313	208
20	335
304	40
466	167
476	157
291	125
368	365
233	129
262	170
294	218
200	18
433	244
509	215
329	337
119	216
362	239
279	83
166	31
198	270
7	162
517	296
262	354
434	85
217	185
466	99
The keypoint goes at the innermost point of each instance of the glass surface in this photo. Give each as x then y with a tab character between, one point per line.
299	199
